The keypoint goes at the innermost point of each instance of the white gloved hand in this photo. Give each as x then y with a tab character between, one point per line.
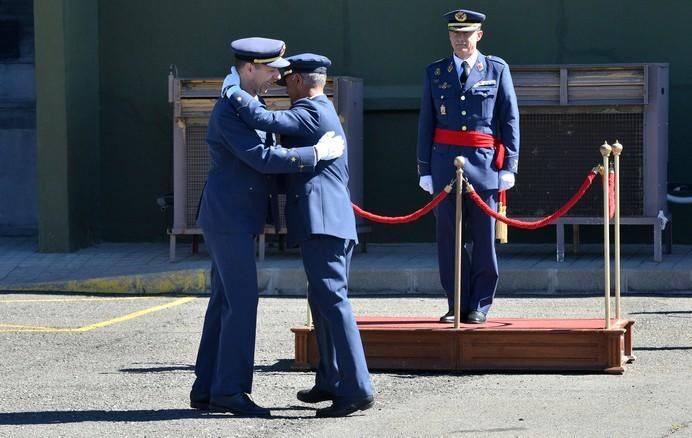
231	83
329	147
425	183
505	180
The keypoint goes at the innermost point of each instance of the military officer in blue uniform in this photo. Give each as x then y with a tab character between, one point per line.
232	212
469	108
321	221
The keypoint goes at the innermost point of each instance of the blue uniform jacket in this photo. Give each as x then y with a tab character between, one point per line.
487	104
317	202
236	195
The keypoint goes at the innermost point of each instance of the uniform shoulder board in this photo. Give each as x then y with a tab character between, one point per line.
439	61
496	59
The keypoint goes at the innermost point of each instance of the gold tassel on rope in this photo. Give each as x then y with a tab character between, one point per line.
501	227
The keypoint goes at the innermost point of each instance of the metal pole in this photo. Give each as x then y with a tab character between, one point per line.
458	242
605	152
617	150
308	322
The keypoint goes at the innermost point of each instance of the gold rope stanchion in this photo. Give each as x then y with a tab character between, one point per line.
501	227
308	322
605	152
617	150
458	242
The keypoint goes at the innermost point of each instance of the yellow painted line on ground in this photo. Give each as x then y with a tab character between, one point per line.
60	300
36	330
133	315
101	324
25	327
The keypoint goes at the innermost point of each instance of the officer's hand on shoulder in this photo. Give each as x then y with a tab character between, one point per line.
505	180
425	183
231	83
329	147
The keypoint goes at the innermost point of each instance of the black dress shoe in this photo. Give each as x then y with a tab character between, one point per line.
447	317
314	395
474	317
199	400
346	406
239	404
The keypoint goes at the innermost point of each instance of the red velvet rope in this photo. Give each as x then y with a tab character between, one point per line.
490	212
401	219
542	222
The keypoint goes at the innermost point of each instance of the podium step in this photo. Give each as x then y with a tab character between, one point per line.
500	344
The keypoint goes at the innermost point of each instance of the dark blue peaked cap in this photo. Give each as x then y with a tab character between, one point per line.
260	51
463	20
305	63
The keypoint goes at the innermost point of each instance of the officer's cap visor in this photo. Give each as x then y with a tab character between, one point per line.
278	63
282	80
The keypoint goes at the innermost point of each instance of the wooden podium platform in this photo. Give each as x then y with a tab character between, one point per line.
502	344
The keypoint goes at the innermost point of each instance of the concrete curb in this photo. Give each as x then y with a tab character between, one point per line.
186	282
291	281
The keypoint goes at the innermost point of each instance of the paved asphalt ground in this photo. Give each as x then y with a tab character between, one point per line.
84	366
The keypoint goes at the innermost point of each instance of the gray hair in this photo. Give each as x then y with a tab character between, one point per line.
313	80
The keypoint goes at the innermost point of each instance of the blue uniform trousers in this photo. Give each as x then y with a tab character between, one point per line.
342	369
227	349
479	273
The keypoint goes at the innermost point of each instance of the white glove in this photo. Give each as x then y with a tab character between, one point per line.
231	83
329	147
425	183
505	180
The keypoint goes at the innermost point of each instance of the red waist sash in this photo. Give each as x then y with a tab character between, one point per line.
472	139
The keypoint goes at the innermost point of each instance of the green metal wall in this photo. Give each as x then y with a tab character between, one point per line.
386	42
67	123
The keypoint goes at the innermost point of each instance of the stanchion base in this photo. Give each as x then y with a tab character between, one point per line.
503	344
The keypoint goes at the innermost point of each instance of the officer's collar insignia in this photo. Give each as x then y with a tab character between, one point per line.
450	67
479	66
460	17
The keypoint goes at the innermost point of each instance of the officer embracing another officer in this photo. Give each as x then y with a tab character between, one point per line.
320	220
233	210
319	217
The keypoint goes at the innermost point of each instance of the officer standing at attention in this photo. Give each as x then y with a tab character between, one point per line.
469	108
321	221
232	212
